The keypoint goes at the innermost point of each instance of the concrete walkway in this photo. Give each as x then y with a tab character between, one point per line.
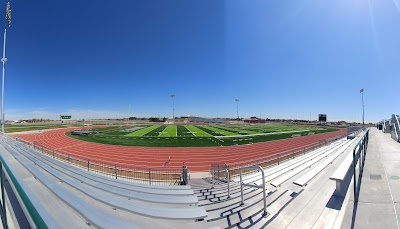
379	199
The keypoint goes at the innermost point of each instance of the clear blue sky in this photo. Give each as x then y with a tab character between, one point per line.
281	59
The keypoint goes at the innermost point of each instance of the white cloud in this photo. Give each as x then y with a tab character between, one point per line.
76	113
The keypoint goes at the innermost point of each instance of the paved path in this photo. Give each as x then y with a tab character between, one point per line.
379	199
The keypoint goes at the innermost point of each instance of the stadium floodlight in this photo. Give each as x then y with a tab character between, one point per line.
362	101
237	108
173	106
4	60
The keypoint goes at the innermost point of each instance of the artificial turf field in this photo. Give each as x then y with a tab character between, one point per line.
195	135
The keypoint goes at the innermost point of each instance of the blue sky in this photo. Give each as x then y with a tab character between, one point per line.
281	59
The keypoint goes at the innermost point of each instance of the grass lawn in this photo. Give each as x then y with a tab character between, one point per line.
197	132
143	131
20	128
220	131
169	131
183	131
156	132
191	136
238	131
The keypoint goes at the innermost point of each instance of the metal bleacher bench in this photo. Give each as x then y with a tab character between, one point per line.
36	213
173	213
136	187
130	193
342	176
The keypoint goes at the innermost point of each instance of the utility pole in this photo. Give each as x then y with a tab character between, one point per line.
237	108
4	60
362	100
173	106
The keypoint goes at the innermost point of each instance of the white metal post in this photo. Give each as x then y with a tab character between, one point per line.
237	108
173	106
362	100
4	60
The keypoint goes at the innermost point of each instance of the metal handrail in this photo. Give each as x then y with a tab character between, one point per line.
359	153
398	124
395	131
265	213
228	179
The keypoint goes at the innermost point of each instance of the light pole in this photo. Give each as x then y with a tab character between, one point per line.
4	60
173	106
362	100
237	108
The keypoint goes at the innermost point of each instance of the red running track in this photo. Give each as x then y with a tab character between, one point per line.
196	158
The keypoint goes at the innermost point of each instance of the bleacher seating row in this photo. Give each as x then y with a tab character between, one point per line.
110	203
75	187
285	183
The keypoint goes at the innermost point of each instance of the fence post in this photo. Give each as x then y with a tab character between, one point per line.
53	153
185	175
116	173
88	165
149	176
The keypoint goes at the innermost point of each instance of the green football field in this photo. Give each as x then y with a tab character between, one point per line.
195	135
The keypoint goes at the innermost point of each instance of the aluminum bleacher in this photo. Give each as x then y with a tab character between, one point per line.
88	199
299	193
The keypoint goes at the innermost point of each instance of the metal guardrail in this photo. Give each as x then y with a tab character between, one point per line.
259	168
128	172
359	153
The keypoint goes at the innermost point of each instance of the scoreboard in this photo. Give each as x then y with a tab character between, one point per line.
322	117
65	117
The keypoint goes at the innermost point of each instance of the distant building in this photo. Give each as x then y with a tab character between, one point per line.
206	120
254	120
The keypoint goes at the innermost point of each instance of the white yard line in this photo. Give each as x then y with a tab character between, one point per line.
190	131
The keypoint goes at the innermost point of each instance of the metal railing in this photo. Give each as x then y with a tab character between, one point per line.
220	173
395	132
129	172
359	153
397	129
259	169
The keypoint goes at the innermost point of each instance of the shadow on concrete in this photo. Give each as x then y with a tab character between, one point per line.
335	202
251	221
